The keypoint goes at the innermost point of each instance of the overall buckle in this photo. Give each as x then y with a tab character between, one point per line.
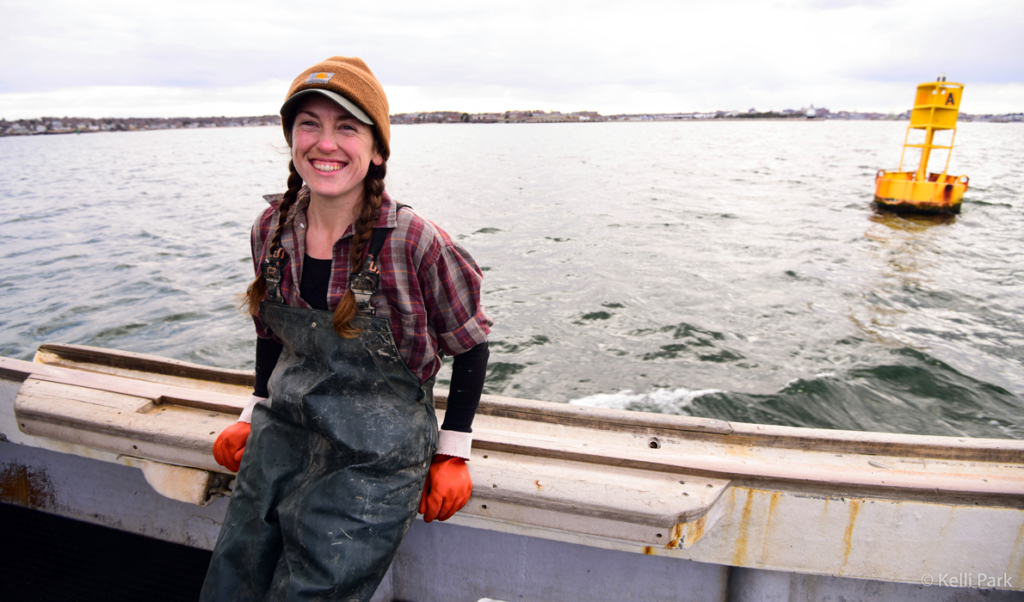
364	284
273	270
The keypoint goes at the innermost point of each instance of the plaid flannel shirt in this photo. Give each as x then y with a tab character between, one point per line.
429	286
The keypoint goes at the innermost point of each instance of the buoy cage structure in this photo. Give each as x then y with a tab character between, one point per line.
936	108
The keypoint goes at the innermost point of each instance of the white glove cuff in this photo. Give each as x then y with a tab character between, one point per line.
454	443
247	411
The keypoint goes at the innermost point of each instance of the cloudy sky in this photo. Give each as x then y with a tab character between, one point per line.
211	57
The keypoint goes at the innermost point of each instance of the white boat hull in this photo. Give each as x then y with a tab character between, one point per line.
570	503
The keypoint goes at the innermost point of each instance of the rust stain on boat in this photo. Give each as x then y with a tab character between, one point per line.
694	531
649	550
769	525
1019	569
26	486
740	556
848	535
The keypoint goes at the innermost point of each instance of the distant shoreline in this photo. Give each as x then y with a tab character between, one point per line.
86	125
82	125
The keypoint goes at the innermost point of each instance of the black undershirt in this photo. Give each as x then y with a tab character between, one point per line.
316	277
468	369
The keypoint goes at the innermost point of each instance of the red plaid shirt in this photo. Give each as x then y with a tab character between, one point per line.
429	285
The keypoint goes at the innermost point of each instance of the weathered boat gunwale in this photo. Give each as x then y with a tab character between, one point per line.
590	476
143	363
730	458
797	438
641	423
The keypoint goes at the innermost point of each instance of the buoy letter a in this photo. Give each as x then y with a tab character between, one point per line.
949	100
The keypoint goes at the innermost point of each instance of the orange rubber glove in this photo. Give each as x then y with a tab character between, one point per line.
447	489
230	445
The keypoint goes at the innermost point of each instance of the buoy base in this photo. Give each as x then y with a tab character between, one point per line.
917	208
901	192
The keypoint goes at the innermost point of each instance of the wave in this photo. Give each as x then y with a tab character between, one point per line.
664	401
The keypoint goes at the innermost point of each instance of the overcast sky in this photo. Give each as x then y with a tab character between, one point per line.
199	58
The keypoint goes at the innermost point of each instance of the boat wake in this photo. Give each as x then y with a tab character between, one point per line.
658	400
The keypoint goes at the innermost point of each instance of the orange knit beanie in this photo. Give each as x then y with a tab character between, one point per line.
350	78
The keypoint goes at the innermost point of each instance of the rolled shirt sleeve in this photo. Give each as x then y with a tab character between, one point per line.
451	290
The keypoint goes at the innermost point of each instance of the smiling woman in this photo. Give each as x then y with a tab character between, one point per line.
356	300
332	151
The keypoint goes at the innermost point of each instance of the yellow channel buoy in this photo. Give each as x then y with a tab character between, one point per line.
936	108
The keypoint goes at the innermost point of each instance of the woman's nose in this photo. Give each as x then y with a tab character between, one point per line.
327	143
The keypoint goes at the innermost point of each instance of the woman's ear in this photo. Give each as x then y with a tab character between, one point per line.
377	159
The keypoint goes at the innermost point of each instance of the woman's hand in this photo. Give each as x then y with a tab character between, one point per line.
447	489
230	445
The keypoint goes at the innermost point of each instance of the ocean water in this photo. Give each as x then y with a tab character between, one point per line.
729	270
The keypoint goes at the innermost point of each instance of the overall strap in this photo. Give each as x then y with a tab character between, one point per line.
273	269
364	283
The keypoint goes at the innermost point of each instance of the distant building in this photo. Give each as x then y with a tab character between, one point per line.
552	118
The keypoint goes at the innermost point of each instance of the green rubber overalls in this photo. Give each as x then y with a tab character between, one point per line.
336	460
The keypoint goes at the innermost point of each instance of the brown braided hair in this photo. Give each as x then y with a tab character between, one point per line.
258	287
369	212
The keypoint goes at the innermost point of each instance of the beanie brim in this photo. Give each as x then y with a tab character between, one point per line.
291	105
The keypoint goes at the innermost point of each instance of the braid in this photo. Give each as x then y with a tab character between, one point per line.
258	288
290	196
369	213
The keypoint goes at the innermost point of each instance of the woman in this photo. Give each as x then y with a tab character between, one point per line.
355	300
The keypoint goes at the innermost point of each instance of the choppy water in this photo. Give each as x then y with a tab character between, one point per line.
729	270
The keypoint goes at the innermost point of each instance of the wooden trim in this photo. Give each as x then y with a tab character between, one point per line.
82	356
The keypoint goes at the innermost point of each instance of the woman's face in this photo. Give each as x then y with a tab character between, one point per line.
332	150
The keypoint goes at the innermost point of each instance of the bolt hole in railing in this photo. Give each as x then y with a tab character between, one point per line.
654	444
